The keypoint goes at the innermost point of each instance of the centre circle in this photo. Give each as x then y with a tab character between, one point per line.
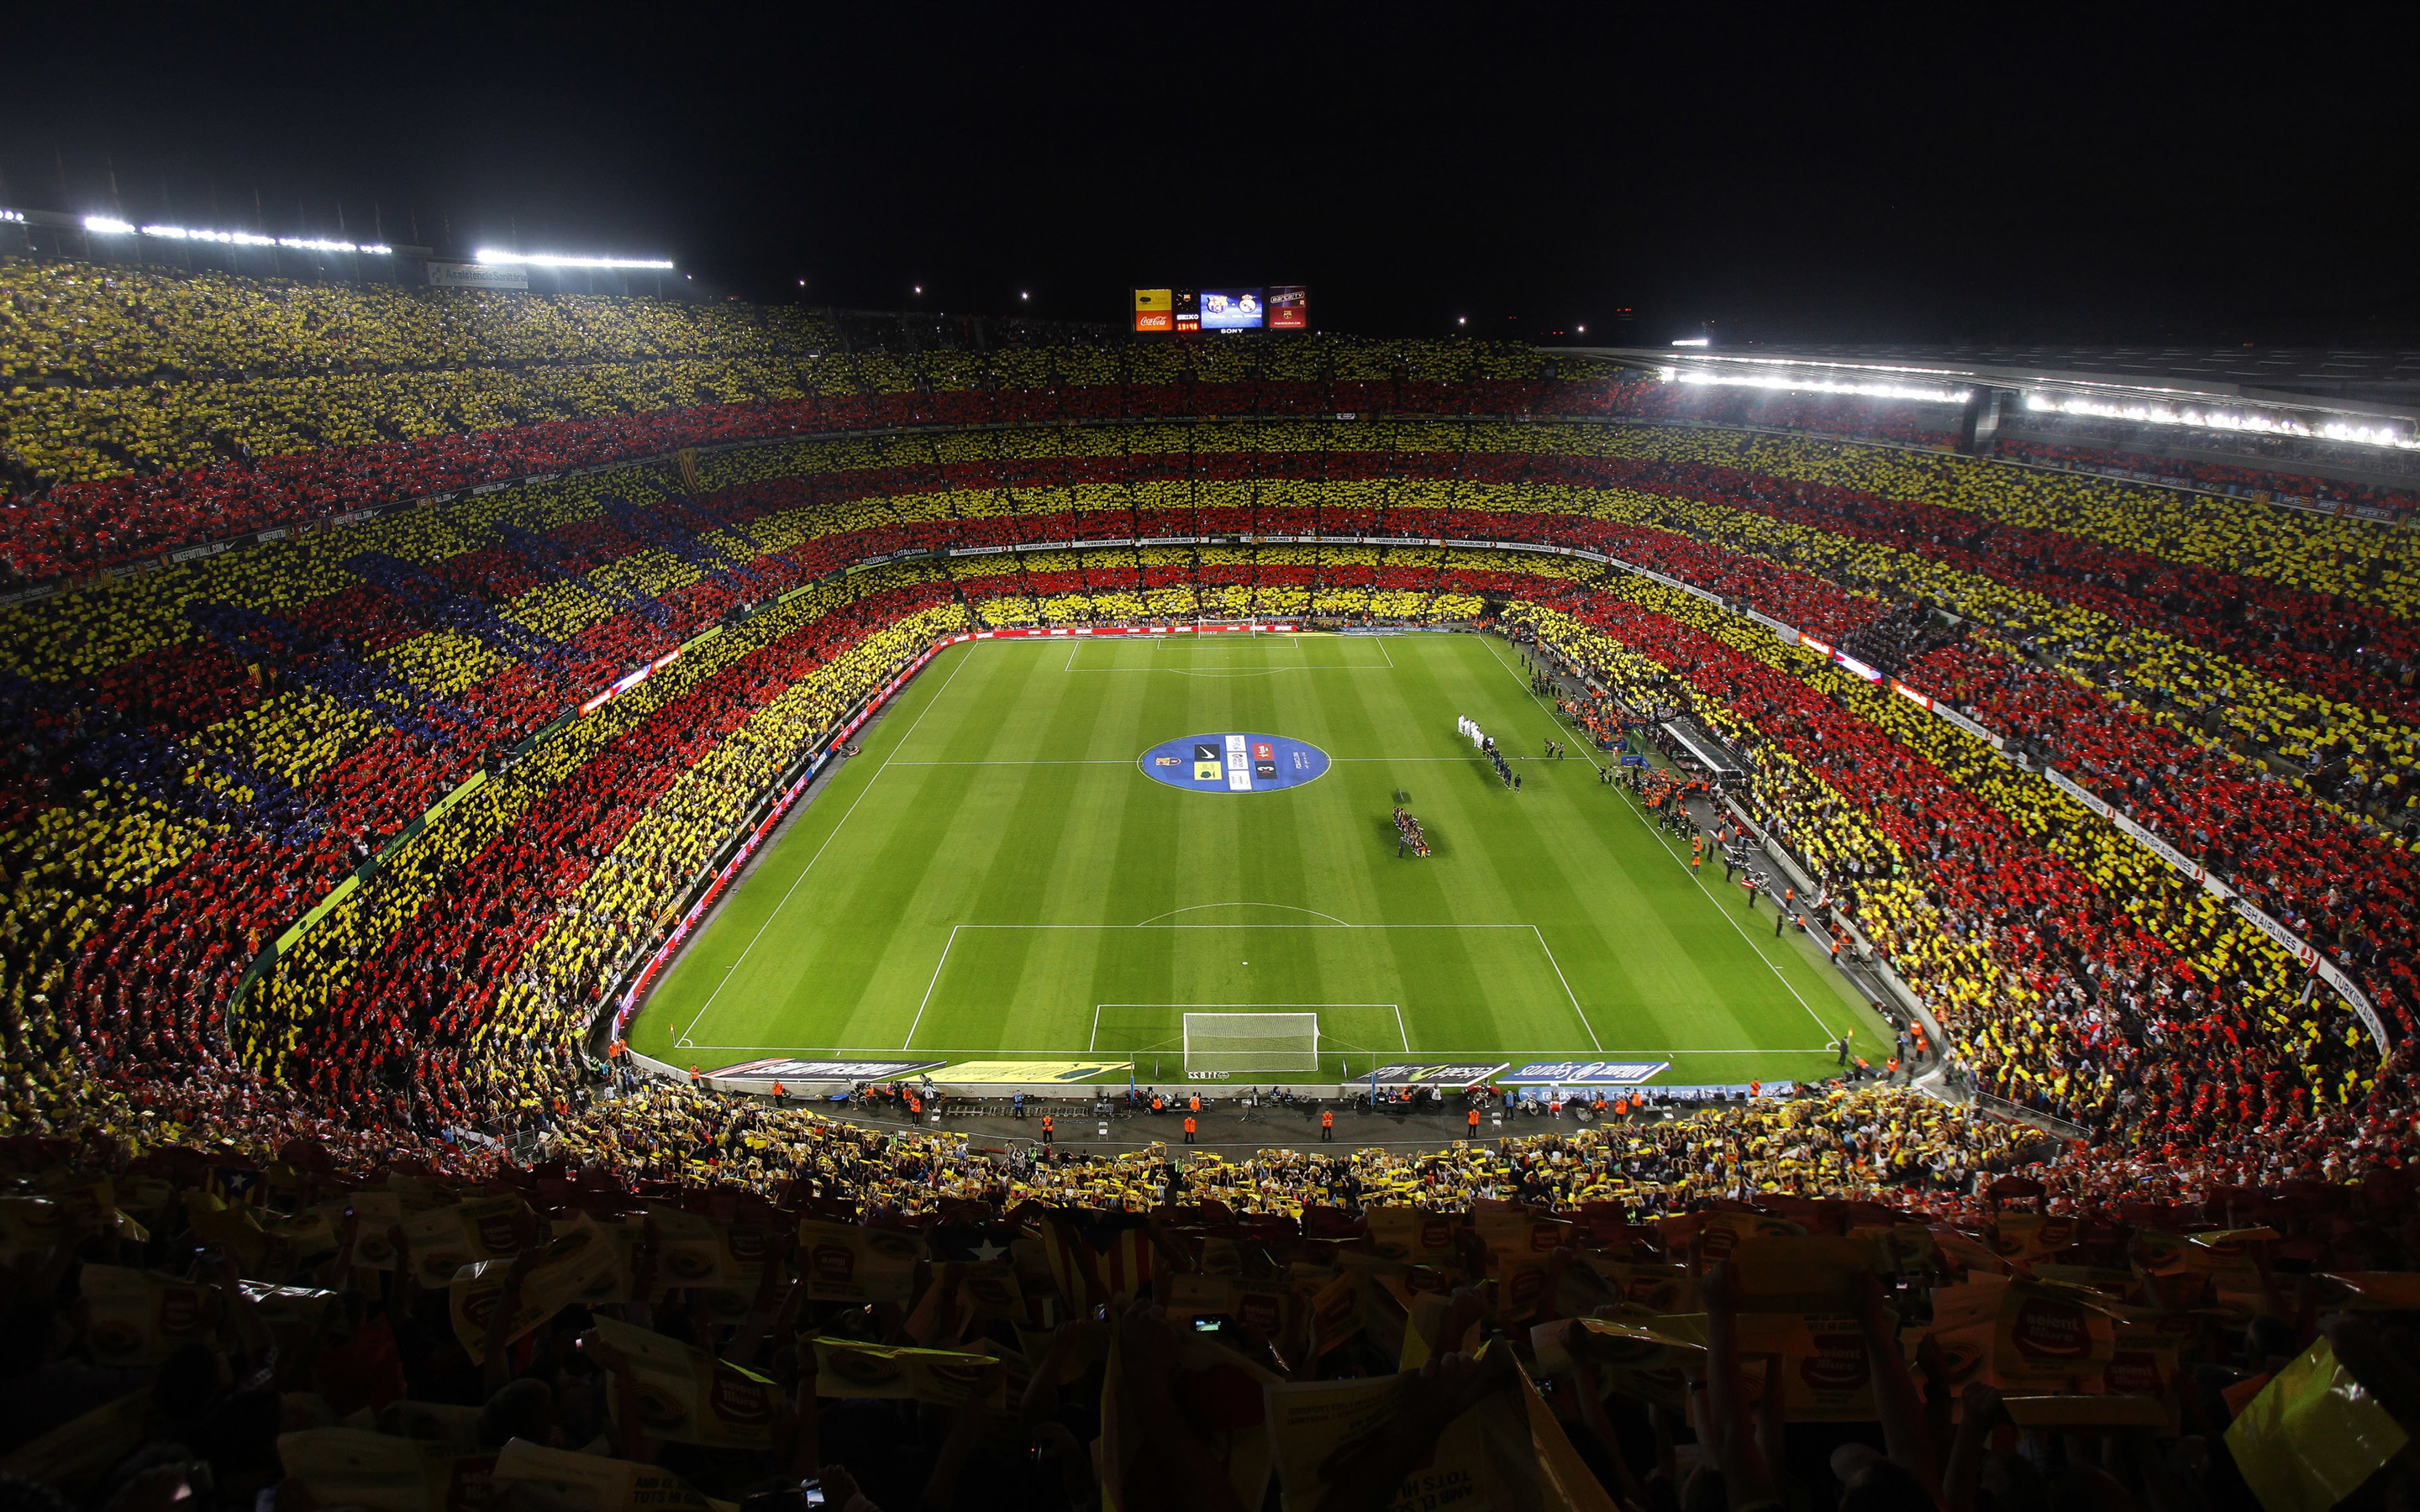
1229	762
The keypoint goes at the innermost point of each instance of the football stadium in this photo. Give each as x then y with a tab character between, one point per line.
643	881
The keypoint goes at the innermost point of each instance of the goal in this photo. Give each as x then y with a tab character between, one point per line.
1251	1044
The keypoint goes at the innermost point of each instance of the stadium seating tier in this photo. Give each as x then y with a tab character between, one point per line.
372	720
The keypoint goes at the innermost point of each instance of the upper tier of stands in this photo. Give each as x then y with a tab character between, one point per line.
143	412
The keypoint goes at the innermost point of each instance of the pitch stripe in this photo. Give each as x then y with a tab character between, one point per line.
869	781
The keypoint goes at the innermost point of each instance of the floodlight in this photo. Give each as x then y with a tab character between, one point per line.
252	238
108	225
537	259
1817	385
2250	422
1693	341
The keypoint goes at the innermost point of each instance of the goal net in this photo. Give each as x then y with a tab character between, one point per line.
1251	1044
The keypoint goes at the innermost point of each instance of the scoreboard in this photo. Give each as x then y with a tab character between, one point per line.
1270	307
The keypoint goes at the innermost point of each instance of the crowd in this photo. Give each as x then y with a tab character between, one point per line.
2342	887
1869	1142
697	1302
473	962
2224	477
2073	973
445	985
388	726
2053	587
2270	455
2347	557
2325	782
149	411
954	512
1903	422
325	745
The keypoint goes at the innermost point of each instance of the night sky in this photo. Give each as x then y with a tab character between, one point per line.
2090	175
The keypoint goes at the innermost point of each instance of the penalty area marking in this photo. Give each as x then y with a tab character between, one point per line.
995	1050
921	1003
1092	1046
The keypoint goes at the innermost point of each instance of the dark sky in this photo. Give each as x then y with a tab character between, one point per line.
2096	174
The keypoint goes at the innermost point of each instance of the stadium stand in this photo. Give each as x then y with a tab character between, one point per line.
716	1300
2222	477
330	856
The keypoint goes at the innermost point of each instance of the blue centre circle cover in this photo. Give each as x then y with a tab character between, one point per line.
1235	762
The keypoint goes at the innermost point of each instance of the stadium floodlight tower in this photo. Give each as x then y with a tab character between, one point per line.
1251	1044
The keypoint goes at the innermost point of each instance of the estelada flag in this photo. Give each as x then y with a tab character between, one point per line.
978	1241
238	1186
1096	1258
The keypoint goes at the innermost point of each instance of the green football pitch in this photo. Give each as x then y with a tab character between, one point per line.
999	876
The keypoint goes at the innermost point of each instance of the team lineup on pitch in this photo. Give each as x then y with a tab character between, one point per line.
1004	873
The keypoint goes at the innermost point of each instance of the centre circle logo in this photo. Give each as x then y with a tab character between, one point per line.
1233	763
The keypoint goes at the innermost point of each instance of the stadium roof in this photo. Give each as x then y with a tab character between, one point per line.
2383	382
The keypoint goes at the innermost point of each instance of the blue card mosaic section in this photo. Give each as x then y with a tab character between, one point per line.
1233	763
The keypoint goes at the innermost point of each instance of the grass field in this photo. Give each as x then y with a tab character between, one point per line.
996	876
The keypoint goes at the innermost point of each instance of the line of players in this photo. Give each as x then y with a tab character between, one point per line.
1486	746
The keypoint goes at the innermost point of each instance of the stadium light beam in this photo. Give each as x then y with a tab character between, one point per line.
1783	383
111	226
2246	422
543	259
249	238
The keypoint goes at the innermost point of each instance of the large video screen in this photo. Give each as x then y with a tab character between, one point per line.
1233	309
1278	307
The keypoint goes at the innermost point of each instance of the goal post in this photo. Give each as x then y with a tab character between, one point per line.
1251	1043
